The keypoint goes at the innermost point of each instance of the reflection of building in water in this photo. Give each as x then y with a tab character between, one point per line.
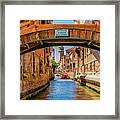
60	53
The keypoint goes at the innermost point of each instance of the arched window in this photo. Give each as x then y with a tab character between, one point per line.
40	66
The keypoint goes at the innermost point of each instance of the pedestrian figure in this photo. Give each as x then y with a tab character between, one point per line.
76	77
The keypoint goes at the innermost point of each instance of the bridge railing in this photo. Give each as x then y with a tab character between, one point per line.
50	33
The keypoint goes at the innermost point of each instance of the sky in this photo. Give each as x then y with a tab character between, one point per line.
63	22
56	51
65	47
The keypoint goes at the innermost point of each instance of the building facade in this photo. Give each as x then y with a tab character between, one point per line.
60	53
35	66
81	61
97	22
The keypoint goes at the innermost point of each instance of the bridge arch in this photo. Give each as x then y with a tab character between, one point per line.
44	36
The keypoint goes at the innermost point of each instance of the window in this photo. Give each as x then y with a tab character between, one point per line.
94	66
67	61
90	66
48	61
21	73
33	70
78	64
68	67
44	56
73	65
43	22
40	66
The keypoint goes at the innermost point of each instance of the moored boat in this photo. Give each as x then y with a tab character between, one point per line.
51	77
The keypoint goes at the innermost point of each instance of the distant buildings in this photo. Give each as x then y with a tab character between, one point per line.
79	60
97	22
60	53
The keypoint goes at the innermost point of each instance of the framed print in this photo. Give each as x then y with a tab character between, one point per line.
59	59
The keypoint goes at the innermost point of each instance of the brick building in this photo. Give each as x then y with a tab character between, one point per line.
97	22
81	61
90	61
60	53
34	66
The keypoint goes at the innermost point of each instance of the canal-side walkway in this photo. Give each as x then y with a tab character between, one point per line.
90	81
32	88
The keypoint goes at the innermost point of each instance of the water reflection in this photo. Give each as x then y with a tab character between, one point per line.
63	89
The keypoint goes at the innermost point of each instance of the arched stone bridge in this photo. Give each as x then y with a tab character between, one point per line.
46	35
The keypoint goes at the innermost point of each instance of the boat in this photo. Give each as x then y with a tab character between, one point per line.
51	77
65	76
57	74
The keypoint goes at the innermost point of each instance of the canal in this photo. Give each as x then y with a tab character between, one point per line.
66	89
